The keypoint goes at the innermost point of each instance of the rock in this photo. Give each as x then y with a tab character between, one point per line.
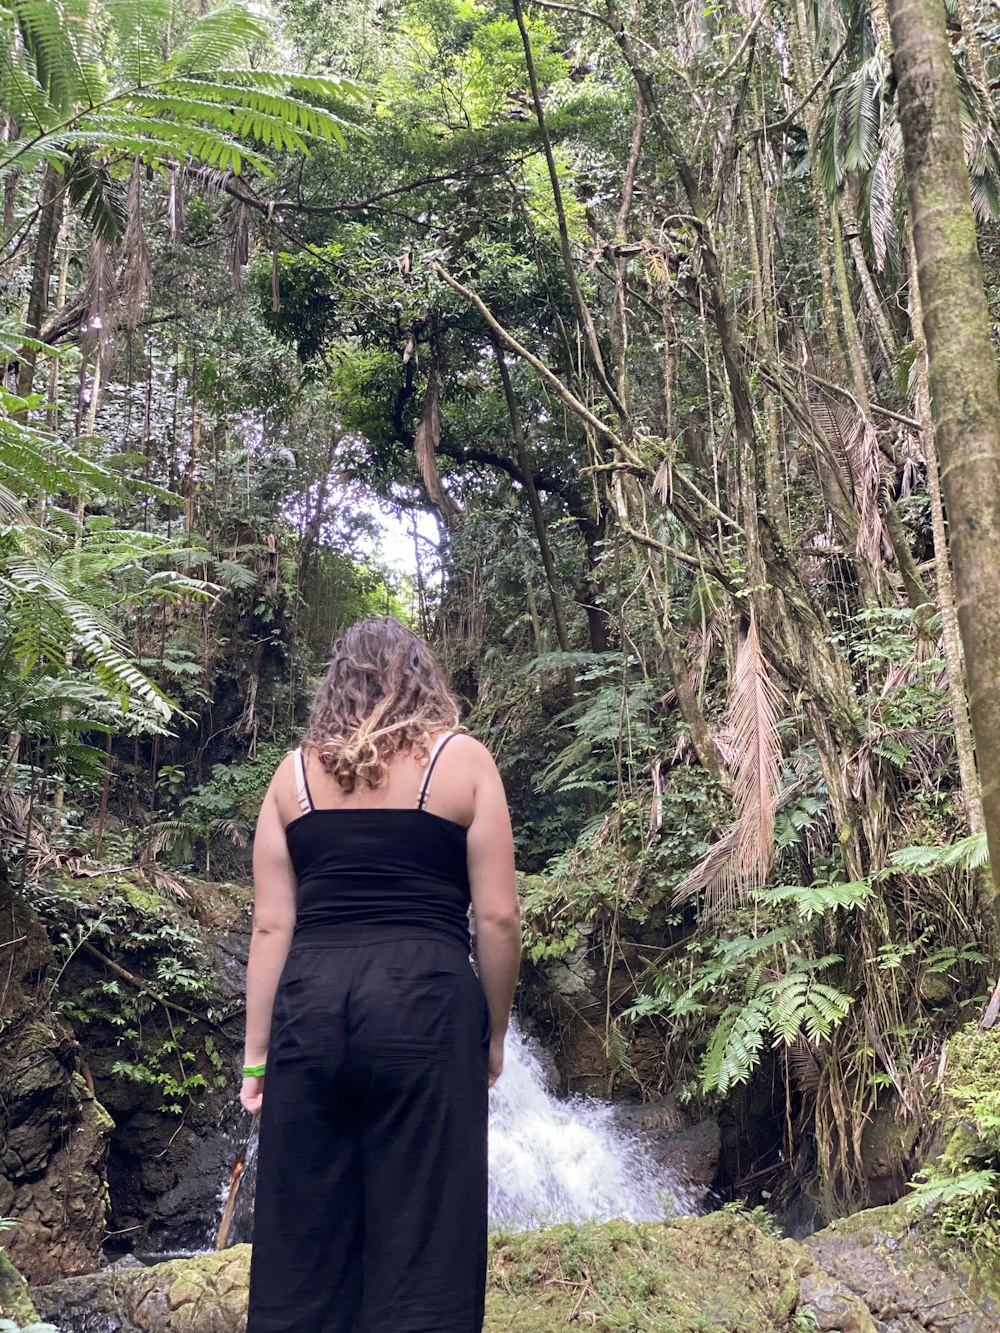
686	1146
890	1151
53	1131
718	1273
713	1274
165	1172
15	1303
886	1257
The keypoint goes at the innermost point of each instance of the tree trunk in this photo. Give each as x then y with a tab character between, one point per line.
961	364
49	223
950	637
535	505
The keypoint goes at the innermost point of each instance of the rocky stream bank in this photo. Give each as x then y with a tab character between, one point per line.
719	1273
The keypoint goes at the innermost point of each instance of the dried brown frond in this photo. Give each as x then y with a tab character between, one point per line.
830	423
712	874
164	881
754	715
713	877
663	482
239	242
804	1065
102	297
868	476
23	834
425	443
134	276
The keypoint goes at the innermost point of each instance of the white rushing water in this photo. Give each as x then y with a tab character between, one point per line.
551	1159
567	1160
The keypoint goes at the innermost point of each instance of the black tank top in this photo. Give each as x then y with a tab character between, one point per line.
372	867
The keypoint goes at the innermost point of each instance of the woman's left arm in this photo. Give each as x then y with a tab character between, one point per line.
273	924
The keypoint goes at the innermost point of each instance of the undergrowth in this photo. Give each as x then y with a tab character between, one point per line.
959	1194
132	973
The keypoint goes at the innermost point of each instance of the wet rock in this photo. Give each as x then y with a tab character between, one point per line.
165	1172
684	1144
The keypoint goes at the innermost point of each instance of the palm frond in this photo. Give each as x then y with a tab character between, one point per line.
739	861
858	101
97	194
881	200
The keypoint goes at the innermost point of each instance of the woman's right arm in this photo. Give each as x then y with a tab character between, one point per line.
273	924
494	900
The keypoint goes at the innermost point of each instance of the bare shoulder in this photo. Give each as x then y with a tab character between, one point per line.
281	788
471	751
284	770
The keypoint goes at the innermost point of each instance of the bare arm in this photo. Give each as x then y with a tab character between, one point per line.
494	901
273	923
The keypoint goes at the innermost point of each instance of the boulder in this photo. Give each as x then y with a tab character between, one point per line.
693	1274
892	1259
719	1273
165	1172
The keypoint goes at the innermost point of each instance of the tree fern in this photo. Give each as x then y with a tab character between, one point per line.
199	104
734	1051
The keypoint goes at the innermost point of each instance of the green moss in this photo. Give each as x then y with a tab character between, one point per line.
957	1201
15	1303
716	1274
972	1071
142	898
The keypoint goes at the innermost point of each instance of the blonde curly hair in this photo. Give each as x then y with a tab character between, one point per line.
383	692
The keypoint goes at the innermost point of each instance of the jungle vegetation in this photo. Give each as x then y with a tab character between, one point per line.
619	299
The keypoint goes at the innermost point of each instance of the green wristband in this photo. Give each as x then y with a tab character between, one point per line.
253	1071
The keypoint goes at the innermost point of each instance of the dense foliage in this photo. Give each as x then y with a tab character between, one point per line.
618	301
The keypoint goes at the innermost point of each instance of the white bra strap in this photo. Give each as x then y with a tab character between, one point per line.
425	786
301	785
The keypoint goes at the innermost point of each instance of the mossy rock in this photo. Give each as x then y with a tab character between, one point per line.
714	1274
15	1303
909	1277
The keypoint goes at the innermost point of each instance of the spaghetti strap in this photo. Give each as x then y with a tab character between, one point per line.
425	786
302	783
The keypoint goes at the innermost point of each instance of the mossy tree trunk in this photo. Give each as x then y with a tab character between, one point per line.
961	363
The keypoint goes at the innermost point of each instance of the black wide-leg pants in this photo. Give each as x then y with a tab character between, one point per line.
370	1213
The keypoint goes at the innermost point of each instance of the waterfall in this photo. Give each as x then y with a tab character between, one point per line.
558	1160
551	1159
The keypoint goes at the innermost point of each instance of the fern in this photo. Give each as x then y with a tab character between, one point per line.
819	898
966	854
734	1051
92	120
966	1187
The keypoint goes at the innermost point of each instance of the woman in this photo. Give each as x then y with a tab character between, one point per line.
370	1039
